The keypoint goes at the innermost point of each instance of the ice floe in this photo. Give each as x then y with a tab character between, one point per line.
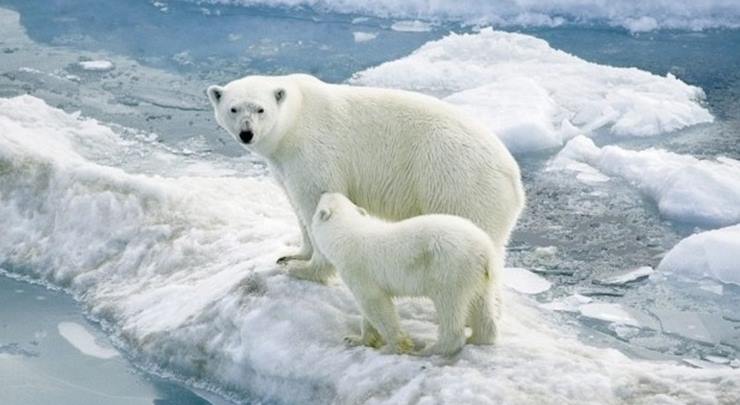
714	254
180	270
535	97
686	189
626	277
525	281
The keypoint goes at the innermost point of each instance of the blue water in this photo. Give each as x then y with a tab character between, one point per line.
191	46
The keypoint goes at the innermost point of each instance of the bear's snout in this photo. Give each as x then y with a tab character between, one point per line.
246	135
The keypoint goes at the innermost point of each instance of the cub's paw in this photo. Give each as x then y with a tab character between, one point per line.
369	341
404	345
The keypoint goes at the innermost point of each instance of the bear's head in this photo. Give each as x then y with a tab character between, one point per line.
335	205
255	110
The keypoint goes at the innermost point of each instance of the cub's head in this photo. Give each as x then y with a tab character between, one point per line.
333	206
255	110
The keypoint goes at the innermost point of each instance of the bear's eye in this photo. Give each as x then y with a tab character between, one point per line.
260	110
233	110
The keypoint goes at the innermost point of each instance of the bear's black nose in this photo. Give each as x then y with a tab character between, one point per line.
246	136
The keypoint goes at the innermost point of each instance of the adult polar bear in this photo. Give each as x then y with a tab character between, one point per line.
398	154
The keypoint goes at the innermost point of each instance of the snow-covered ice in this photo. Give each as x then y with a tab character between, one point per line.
535	97
84	341
686	189
180	270
634	15
714	254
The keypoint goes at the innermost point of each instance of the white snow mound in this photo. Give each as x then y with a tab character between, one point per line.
711	254
181	269
686	189
535	97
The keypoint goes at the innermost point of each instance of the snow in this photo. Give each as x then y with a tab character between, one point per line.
96	65
686	189
180	269
535	97
626	277
524	281
84	341
360	36
634	15
714	254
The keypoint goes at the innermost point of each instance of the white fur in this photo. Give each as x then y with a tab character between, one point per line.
398	154
443	257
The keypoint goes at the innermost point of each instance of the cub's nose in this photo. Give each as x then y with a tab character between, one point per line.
246	135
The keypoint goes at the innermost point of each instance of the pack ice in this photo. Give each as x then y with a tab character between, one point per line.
179	267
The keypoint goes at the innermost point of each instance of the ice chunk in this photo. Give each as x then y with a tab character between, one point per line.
84	341
686	324
608	312
703	192
627	276
360	36
411	26
96	65
535	97
524	281
714	254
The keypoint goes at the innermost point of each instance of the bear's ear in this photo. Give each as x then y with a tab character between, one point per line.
279	95
362	211
324	214
215	93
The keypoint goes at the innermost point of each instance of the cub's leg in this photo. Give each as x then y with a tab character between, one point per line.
452	313
482	318
379	310
369	336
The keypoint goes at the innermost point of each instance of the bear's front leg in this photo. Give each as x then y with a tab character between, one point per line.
317	269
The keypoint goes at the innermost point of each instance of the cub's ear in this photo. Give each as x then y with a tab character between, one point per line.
324	214
280	95
215	93
362	211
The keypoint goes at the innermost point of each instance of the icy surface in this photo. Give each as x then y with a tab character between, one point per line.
524	281
686	189
361	36
535	97
714	254
181	270
84	341
634	15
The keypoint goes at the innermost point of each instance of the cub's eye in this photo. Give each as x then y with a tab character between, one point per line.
233	110
260	110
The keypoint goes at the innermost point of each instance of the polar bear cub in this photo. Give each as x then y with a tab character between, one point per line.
443	257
